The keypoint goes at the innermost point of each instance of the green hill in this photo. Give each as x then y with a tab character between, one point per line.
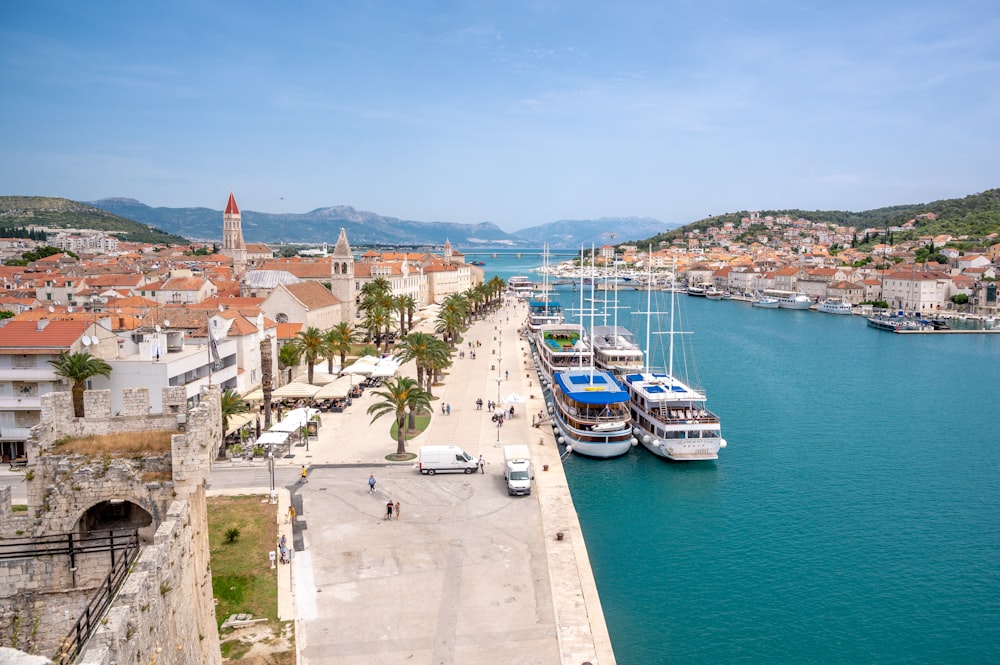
57	213
971	219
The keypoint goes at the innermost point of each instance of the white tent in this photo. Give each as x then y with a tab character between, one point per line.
272	438
385	370
363	365
238	420
296	390
336	390
293	420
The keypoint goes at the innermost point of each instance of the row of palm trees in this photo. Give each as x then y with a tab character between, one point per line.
401	397
405	397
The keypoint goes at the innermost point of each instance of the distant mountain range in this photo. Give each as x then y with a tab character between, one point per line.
368	228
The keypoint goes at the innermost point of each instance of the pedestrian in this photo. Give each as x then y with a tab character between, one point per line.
482	464
388	510
371	483
512	411
397	510
479	404
506	375
447	408
291	514
304	476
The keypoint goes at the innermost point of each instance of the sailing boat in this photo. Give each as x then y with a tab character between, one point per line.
544	310
669	416
589	407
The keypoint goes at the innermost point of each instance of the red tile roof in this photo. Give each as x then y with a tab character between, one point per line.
24	336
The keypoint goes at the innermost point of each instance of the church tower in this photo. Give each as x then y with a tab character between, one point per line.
232	237
447	252
342	281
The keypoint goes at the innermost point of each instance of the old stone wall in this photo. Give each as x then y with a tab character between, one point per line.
45	595
164	606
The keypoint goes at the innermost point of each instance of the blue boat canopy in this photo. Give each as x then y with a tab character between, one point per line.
591	388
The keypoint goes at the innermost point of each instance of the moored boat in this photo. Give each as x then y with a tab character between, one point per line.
794	301
591	412
713	293
560	347
616	350
669	416
766	302
834	306
520	286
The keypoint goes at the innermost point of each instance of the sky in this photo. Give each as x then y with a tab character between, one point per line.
516	112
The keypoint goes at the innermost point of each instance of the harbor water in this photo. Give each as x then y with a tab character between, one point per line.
854	516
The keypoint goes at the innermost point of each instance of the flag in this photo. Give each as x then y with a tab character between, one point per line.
213	347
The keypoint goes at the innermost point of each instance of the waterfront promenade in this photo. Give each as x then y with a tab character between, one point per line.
466	574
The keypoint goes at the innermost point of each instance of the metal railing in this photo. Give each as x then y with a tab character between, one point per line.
121	544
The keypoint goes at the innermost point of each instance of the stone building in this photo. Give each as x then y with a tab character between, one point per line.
136	526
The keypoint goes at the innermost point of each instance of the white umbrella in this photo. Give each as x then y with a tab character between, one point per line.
337	389
296	390
388	369
272	438
295	419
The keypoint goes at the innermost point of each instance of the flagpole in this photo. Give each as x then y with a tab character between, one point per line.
208	347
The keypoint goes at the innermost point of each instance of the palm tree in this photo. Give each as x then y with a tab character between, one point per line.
421	348
289	357
377	320
400	396
409	304
232	404
437	361
78	368
339	340
311	346
452	317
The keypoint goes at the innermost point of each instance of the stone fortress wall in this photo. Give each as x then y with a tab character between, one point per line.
165	606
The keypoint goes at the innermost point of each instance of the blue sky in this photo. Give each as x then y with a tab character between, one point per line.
514	112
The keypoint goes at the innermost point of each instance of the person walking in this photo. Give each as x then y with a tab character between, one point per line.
304	476
447	409
371	483
388	510
291	514
482	464
397	510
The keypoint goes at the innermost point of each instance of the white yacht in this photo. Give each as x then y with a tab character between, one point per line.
794	301
669	416
520	286
616	350
834	306
591	413
766	302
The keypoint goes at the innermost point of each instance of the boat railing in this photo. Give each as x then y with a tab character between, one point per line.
685	415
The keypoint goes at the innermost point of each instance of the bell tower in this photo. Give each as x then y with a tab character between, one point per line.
232	237
342	279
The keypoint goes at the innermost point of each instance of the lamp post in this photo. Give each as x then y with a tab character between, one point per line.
498	404
270	467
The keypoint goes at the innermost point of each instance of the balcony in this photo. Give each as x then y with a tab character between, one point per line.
14	433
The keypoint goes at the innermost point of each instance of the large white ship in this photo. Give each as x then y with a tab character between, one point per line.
669	416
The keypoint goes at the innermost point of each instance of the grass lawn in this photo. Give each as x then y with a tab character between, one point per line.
422	423
242	578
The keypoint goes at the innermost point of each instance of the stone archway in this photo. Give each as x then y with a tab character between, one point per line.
117	514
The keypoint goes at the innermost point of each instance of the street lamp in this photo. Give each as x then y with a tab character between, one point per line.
270	466
498	405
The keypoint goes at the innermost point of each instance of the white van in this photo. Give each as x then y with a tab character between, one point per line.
445	458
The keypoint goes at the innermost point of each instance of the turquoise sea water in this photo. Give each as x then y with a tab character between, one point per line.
854	516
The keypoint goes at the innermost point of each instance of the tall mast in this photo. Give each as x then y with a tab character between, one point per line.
649	305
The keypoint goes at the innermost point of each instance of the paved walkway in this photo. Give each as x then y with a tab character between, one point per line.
467	574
